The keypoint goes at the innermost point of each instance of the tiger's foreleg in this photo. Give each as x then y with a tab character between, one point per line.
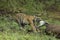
33	27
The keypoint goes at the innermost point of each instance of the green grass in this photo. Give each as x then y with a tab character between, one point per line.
16	34
23	36
30	7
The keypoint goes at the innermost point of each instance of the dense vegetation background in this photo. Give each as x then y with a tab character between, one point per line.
48	10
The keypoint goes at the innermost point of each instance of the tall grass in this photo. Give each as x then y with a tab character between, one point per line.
9	29
16	34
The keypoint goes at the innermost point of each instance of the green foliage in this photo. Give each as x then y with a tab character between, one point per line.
19	36
9	29
30	6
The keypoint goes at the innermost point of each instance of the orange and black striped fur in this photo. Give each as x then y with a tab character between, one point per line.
23	19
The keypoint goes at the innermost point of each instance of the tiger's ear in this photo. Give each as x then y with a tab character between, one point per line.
34	16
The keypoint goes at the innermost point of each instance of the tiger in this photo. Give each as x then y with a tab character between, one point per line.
24	19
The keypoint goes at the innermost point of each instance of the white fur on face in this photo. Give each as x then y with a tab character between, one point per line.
41	23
